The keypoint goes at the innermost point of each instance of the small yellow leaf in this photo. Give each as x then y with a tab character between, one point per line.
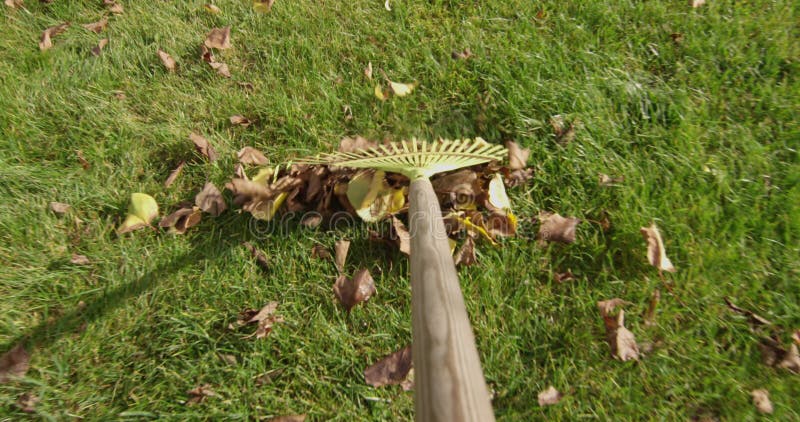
497	193
141	211
379	93
210	8
401	90
263	6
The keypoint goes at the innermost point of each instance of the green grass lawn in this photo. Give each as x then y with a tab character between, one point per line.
703	126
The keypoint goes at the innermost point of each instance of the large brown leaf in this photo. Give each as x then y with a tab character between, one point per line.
264	317
46	42
351	292
219	38
556	228
250	155
97	27
167	60
14	364
340	248
203	146
210	200
391	370
181	220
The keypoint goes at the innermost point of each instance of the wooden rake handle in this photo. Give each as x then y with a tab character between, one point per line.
448	381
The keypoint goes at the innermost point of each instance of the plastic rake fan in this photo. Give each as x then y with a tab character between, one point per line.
448	381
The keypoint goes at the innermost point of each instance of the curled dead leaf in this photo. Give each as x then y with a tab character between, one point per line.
368	71
564	133
210	8
27	402
14	364
97	27
265	318
79	259
606	307
650	315
263	6
250	155
114	7
466	253
517	157
761	401
461	55
203	146
556	228
239	120
167	60
656	254
340	249
606	180
14	4
46	41
96	50
320	252
549	396
173	175
59	208
351	292
402	236
221	68
752	316
219	38
563	277
181	220
141	211
210	200
261	257
621	340
199	394
390	370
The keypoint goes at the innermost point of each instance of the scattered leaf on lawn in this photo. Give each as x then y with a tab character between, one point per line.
46	42
114	7
391	370
754	318
228	359
96	50
351	292
355	144
622	342
556	228
263	6
97	27
167	60
210	200
27	402
79	259
462	55
761	401
380	93
400	232
181	220
796	336
210	8
696	3
387	6
650	315
549	396
82	160
289	418
174	174
203	146
238	119
313	219
400	89
340	249
368	71
320	252
199	393
517	157
250	155
14	3
59	208
498	198
466	253
219	38
261	257
265	318
656	254
606	307
606	180
791	360
14	364
563	277
141	211
564	134
371	197
221	68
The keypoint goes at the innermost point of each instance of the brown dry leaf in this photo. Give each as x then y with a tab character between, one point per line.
199	393
97	27
622	342
656	254
754	318
311	220
79	259
358	143
557	228
696	3
265	318
167	60
466	253
650	315
368	71
14	364
796	336
210	200
606	307
181	220
221	68
564	134
320	252
27	402
351	292
210	8
606	180
391	370
114	7
46	42
238	119
250	155
549	396
288	418
228	359
82	160
517	157
174	174
59	208
761	401
461	55
219	38
791	360
14	3
96	50
261	257
203	146
340	248
402	236
563	277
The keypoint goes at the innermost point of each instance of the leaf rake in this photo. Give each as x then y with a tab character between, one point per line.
448	381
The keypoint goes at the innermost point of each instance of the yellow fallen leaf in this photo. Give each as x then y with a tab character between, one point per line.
263	6
141	211
210	8
401	90
380	94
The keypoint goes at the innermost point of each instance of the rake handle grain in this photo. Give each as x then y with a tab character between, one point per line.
448	381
